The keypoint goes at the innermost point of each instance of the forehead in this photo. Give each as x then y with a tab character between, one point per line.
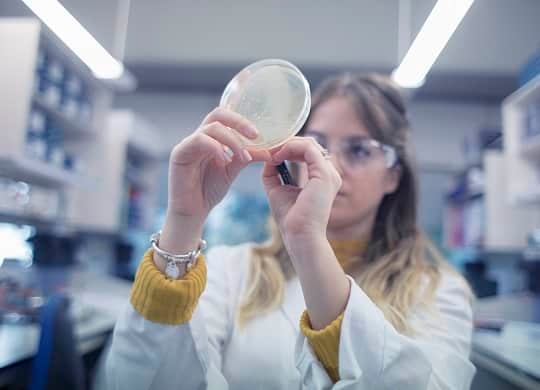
337	117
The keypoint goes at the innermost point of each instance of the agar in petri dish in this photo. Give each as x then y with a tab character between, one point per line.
274	95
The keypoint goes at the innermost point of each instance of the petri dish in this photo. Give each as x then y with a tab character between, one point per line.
274	95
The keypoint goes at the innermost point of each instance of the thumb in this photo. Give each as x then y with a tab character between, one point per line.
270	177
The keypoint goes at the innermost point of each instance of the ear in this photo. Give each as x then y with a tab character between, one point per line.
392	179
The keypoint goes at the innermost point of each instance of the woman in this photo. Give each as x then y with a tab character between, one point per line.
347	294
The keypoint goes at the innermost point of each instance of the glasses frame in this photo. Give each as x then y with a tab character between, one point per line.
389	152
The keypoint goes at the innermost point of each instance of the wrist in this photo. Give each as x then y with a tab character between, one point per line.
179	211
302	246
308	231
179	234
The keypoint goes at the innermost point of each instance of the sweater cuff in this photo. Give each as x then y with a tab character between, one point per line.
325	343
163	300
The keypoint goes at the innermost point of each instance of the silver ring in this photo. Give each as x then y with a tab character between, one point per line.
326	154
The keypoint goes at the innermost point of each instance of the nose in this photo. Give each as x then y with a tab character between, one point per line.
338	164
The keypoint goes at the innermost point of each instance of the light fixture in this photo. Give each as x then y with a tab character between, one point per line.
430	41
102	64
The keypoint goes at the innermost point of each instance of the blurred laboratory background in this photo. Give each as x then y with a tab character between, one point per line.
94	94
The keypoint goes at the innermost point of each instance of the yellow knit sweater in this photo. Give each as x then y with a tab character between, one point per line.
325	342
163	300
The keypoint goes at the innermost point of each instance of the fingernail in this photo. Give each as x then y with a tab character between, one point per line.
247	156
252	132
227	153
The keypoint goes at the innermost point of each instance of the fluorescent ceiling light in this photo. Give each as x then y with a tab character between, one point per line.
102	64
430	41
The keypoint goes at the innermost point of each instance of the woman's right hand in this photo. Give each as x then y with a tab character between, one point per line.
202	168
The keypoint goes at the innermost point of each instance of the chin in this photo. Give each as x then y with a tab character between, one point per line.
342	216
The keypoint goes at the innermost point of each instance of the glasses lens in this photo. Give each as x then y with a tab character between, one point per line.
358	151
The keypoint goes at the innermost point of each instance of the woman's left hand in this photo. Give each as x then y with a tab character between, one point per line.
302	213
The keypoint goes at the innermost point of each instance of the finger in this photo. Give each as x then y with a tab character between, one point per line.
236	166
219	132
259	154
312	139
304	140
308	151
199	146
300	149
233	120
270	177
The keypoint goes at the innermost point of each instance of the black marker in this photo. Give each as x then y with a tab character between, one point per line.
285	175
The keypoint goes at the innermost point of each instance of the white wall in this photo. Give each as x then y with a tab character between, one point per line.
176	115
440	128
438	133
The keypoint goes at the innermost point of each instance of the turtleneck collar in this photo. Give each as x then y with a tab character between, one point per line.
345	250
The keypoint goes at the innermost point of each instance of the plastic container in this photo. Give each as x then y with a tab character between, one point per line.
274	95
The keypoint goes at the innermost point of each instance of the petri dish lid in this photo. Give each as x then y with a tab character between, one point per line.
274	95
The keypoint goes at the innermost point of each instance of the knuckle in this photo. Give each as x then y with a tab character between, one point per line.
335	176
217	111
208	117
214	126
339	181
180	147
195	137
177	147
198	139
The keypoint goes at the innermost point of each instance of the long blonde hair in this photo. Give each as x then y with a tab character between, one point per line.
399	258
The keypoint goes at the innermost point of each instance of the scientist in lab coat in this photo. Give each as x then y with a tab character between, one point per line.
348	293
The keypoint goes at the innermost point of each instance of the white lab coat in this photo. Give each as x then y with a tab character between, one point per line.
210	352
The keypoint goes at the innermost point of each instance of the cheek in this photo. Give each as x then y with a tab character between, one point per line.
368	189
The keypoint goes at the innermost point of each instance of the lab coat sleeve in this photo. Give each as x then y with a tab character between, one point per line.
373	355
149	355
